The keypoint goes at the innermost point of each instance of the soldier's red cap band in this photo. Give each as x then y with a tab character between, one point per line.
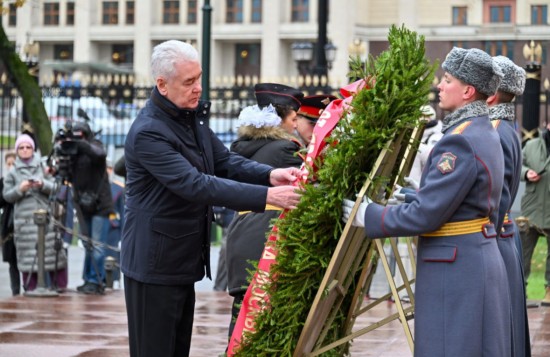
310	111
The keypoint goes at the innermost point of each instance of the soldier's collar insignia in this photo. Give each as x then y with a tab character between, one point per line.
446	163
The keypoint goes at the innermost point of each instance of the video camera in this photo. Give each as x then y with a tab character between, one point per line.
65	149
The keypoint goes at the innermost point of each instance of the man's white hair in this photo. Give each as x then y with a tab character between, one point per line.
167	54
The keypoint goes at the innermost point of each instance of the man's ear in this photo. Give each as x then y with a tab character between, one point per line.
492	99
161	85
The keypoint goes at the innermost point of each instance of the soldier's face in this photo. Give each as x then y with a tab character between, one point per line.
305	128
452	93
184	89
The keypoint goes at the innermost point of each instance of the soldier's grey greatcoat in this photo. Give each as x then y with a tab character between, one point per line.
502	116
462	301
25	203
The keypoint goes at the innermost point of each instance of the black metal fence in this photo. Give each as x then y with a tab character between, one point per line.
111	108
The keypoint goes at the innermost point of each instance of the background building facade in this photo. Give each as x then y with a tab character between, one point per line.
255	37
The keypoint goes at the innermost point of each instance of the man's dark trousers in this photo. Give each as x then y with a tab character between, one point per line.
160	318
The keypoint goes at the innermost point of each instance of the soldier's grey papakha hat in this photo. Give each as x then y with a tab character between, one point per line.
474	67
514	76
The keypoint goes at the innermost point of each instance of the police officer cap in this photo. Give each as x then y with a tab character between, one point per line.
514	76
273	93
82	130
313	105
474	67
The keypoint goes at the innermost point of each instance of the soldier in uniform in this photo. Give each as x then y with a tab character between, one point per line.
462	300
502	115
310	110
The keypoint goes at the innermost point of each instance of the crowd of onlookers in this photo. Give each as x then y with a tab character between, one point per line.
85	188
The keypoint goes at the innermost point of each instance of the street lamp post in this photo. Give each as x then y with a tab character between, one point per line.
330	54
320	58
302	53
325	51
206	36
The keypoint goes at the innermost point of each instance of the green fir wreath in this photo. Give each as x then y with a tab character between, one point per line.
309	234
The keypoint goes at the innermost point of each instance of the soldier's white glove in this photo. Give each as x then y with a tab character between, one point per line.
412	183
397	197
359	219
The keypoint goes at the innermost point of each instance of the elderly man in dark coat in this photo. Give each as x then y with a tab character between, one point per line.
177	169
462	299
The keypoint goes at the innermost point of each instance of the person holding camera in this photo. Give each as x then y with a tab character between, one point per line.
92	200
28	189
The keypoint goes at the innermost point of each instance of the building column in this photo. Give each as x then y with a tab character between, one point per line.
82	51
271	52
142	42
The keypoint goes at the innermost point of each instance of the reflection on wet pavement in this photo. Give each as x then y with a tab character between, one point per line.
93	326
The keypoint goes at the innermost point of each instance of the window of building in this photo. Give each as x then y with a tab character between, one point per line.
192	11
122	54
171	12
256	11
460	15
12	15
247	61
130	12
63	52
500	48
500	14
234	11
461	44
51	13
110	12
539	15
70	13
300	11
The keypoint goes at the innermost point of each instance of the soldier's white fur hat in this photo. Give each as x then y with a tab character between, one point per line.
474	67
514	76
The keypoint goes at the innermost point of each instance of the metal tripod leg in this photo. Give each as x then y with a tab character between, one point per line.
400	311
399	262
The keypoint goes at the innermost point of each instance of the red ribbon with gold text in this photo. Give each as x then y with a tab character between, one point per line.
255	296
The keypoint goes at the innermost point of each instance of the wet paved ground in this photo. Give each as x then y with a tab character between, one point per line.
79	325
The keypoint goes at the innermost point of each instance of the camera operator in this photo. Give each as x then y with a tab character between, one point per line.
86	171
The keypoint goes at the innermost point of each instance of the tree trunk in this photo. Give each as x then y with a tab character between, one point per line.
30	92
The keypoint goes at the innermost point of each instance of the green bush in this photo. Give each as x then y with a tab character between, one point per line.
535	286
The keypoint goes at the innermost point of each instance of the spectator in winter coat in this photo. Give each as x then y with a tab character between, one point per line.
27	188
